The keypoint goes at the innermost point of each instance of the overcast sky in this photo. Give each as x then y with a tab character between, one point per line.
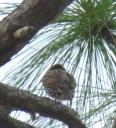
8	1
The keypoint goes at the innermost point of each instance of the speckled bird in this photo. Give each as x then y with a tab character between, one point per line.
59	84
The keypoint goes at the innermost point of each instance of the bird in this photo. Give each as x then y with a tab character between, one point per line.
59	84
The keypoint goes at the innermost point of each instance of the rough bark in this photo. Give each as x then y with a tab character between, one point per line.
35	13
8	122
23	100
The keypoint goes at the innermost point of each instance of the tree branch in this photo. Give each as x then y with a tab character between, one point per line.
34	13
8	122
23	100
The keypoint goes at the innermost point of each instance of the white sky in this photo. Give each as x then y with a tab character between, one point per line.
12	1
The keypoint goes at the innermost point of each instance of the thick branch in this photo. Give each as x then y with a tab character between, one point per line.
23	100
8	122
35	13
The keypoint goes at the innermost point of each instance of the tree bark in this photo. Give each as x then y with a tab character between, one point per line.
23	100
34	13
8	122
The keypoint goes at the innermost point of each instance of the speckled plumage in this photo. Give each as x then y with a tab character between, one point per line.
58	83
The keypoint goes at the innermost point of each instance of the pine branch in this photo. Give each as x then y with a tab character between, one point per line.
8	122
23	100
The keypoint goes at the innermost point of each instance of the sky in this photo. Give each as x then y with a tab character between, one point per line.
12	1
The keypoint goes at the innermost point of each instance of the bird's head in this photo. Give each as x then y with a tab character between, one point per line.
57	66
